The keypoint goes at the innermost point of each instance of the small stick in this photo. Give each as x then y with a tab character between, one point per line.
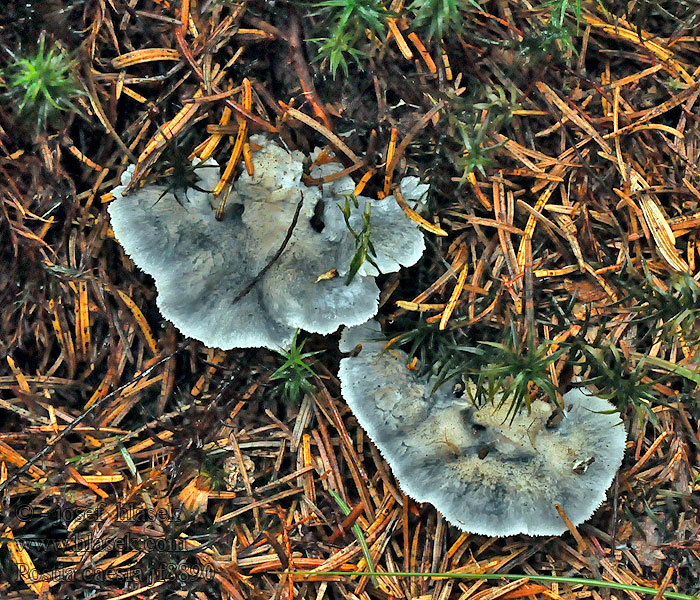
302	70
344	528
265	269
334	140
310	181
422	122
581	543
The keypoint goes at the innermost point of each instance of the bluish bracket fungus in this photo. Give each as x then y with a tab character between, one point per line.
201	266
485	473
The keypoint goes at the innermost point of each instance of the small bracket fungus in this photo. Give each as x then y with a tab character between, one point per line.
203	268
485	473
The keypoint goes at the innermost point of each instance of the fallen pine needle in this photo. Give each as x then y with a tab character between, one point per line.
415	217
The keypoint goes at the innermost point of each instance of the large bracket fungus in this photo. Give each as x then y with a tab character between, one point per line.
202	266
486	473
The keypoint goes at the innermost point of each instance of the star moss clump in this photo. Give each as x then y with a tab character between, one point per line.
41	85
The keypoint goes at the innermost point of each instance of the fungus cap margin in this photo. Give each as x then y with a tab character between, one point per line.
435	445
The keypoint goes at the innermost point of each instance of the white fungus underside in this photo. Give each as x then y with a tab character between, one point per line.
200	264
432	445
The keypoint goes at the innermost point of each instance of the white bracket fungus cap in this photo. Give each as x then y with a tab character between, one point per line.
201	265
484	473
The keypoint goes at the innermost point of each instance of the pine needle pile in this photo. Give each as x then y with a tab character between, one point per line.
561	144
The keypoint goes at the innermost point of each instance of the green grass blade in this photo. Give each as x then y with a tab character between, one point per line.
358	534
613	585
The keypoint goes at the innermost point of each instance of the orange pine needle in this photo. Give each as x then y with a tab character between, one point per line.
452	303
415	217
389	157
141	320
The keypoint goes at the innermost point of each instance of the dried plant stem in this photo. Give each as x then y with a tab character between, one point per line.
272	261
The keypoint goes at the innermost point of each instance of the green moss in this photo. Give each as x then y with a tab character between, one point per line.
439	17
295	374
348	21
41	85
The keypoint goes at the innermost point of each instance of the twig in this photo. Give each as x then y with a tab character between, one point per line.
302	69
411	134
265	269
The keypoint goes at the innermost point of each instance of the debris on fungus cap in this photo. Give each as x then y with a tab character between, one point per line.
485	473
201	265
